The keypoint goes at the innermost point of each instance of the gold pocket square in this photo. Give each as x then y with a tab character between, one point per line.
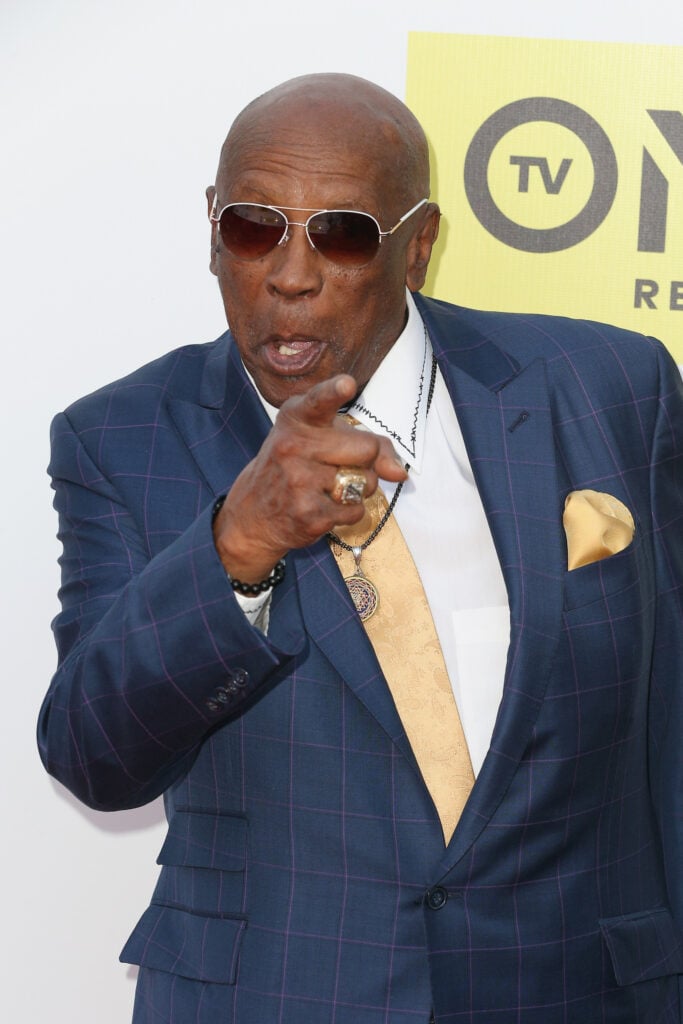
597	525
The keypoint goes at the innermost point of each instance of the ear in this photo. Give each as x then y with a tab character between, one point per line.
215	238
420	248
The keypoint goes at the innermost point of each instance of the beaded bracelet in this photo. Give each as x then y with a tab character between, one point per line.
254	589
251	589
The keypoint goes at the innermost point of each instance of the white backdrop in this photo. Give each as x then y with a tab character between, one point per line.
112	115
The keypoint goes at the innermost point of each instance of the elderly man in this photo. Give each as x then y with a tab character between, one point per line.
409	678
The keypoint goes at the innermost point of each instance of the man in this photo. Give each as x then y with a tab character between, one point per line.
327	858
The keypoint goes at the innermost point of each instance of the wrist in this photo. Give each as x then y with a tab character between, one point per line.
250	573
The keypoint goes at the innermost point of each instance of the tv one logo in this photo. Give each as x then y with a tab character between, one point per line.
534	170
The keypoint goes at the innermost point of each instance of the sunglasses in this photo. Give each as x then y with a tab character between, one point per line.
346	237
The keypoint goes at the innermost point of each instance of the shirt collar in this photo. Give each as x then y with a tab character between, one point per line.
394	401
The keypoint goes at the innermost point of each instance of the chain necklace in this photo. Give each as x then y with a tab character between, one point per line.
363	591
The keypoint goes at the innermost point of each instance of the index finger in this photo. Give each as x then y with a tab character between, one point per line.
318	406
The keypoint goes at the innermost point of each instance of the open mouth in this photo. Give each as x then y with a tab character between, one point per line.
292	355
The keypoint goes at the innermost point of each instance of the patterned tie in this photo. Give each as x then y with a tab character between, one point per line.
403	635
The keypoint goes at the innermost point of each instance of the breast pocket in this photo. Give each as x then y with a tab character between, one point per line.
605	578
193	927
609	610
602	661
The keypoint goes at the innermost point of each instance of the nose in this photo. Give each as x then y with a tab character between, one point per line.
295	266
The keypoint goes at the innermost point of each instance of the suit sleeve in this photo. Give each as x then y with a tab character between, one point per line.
153	652
666	702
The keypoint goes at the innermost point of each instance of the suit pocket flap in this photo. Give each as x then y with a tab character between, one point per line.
192	946
643	946
205	841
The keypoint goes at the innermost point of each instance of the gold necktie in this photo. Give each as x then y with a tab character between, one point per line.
403	635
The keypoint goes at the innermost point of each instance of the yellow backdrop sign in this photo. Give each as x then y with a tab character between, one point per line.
559	170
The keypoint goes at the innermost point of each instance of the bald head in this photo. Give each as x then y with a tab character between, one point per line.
341	110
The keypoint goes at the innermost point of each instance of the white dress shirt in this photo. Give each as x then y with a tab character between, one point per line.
444	525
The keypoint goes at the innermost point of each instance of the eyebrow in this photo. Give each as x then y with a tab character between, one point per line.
339	204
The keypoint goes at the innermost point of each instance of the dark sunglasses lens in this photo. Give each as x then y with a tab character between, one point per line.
249	231
345	237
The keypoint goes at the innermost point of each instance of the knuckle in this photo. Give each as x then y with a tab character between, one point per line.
285	443
286	447
303	503
372	481
367	447
316	528
315	397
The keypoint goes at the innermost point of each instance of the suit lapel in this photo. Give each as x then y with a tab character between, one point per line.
332	623
224	432
505	416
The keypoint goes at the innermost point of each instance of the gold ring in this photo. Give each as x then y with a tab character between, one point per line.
349	486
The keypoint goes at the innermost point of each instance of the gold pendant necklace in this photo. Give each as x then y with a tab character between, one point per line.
363	592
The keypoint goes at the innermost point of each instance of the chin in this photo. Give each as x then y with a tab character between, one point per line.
277	392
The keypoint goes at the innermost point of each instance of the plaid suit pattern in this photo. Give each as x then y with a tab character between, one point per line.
304	878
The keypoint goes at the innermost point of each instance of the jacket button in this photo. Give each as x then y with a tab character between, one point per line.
240	677
212	705
436	898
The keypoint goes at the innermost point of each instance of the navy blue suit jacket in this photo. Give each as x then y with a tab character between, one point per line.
304	878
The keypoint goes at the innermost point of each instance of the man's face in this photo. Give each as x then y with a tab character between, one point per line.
297	317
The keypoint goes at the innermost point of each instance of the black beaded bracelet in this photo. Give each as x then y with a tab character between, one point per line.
217	506
254	589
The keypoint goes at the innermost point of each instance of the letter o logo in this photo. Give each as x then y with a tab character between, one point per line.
605	174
